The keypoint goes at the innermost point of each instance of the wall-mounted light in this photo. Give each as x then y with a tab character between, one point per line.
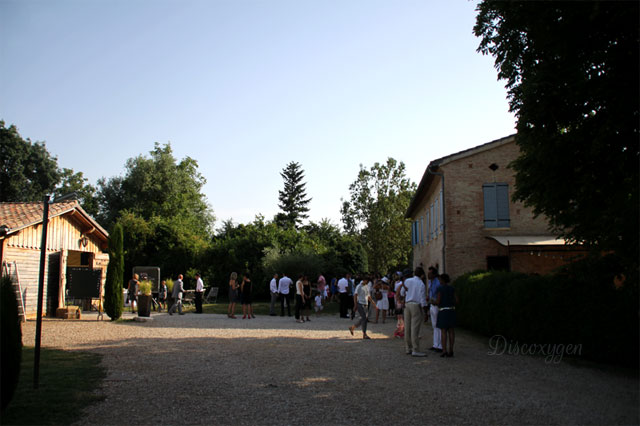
84	241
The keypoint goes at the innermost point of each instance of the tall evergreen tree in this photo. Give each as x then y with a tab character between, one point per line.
293	199
115	275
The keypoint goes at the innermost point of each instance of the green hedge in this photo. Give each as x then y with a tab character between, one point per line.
577	305
10	341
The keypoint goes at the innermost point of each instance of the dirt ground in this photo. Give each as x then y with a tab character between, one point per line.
209	369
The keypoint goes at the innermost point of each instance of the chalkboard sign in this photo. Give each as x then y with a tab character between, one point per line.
151	273
83	283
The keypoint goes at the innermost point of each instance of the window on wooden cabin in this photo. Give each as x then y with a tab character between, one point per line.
496	205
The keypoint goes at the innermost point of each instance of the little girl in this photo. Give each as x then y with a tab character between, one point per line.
399	333
318	306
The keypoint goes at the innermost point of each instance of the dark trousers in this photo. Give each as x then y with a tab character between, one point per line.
299	304
198	302
282	299
344	305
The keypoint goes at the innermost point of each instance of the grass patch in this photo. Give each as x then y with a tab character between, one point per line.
259	308
66	386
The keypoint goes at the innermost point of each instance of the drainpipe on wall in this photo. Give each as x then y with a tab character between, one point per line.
444	226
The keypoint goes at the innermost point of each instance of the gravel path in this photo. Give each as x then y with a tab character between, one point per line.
208	369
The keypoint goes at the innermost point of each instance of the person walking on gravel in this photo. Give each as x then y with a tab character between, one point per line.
361	299
178	291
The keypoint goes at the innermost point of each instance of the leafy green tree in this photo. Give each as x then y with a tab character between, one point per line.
293	198
28	170
71	181
165	217
380	197
113	298
571	70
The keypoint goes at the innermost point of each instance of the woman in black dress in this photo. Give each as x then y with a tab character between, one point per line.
446	299
245	289
306	288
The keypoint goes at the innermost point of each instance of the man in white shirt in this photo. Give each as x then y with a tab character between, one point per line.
415	302
273	289
199	293
283	289
343	285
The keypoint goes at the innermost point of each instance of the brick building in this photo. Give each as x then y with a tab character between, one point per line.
464	218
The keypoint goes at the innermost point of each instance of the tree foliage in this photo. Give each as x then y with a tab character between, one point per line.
71	181
380	197
164	215
293	199
28	171
113	297
571	70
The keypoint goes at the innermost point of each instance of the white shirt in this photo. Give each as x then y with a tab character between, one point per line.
199	285
318	300
342	285
363	294
283	286
415	292
273	286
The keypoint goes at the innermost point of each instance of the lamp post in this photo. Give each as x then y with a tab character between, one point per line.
43	258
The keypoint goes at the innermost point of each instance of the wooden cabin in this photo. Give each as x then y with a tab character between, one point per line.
76	246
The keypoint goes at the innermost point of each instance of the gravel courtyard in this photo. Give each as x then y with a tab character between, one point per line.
208	369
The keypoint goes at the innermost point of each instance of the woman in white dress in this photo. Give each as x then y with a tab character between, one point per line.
382	303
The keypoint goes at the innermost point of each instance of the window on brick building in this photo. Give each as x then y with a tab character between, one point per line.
496	205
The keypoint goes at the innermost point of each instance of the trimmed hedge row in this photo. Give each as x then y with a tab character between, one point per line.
10	341
578	305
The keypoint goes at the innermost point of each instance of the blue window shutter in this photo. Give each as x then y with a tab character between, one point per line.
490	205
426	225
436	209
502	202
441	211
413	233
421	233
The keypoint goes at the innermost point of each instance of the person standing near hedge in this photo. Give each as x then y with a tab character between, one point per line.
300	301
162	296
132	292
273	289
285	294
447	299
434	285
233	295
245	289
199	293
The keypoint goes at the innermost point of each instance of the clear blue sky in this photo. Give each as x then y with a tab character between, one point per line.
246	86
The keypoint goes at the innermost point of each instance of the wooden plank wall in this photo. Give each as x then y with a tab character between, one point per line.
24	248
28	270
61	234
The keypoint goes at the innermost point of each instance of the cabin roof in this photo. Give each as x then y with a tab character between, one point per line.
18	216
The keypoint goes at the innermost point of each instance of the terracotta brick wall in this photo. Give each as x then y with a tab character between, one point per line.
467	245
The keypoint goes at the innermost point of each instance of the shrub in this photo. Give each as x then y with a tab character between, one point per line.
10	340
577	305
145	287
113	303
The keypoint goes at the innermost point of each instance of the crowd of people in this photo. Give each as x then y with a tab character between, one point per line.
412	297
